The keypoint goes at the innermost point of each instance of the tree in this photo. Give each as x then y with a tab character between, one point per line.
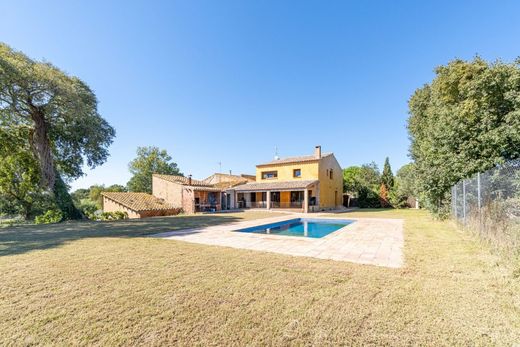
404	186
96	190
363	182
355	177
19	178
58	114
387	178
465	121
149	160
383	196
351	179
370	175
406	181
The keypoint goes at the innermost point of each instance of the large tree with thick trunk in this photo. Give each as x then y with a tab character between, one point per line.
58	115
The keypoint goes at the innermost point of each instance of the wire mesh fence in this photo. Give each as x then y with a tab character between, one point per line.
489	204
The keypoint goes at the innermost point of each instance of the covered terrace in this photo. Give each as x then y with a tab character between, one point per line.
297	195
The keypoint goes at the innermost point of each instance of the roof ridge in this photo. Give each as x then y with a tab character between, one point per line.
308	157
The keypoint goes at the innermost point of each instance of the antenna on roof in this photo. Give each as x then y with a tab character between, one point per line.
219	167
276	157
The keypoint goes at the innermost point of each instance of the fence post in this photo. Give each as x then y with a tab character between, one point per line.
454	192
479	203
464	201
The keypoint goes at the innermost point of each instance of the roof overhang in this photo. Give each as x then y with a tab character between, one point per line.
276	186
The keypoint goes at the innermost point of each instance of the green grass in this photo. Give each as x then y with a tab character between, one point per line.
105	284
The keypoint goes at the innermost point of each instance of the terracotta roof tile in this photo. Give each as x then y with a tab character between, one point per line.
182	180
300	159
281	185
138	201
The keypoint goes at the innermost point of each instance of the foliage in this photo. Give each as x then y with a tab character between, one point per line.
88	208
383	196
368	198
89	200
55	117
19	176
149	160
51	216
95	192
363	182
80	194
404	186
387	178
466	120
116	215
356	177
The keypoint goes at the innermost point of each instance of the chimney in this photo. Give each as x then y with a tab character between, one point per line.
189	180
317	152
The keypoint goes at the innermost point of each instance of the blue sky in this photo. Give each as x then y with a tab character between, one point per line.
228	81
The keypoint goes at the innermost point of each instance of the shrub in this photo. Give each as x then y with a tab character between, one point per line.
88	208
368	198
51	216
383	196
396	199
116	215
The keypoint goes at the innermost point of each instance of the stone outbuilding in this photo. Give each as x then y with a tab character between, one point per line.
137	205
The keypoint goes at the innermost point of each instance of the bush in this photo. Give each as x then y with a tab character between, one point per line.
397	200
116	215
51	216
88	208
368	198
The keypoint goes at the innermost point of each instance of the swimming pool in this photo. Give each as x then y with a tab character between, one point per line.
303	227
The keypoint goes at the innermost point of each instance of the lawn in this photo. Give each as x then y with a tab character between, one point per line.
105	284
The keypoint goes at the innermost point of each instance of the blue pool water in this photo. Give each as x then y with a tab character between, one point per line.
304	227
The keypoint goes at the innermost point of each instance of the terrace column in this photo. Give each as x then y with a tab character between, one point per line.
306	201
268	198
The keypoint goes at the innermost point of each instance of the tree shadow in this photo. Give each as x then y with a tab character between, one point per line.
24	238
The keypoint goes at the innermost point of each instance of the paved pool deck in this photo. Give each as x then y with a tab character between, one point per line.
374	241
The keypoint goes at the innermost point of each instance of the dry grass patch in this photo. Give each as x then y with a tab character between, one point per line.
109	286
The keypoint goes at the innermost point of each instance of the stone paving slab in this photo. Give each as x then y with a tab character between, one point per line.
374	241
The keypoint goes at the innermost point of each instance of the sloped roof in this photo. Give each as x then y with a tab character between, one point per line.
138	201
223	177
182	180
249	177
280	185
224	181
299	159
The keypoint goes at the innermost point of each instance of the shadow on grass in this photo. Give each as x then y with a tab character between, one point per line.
24	238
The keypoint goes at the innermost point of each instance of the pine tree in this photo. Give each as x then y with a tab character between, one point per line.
387	178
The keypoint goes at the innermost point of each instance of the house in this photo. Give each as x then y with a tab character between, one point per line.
308	183
196	195
305	183
136	205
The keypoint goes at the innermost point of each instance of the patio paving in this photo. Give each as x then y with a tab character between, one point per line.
373	241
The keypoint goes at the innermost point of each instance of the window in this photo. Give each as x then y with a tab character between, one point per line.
330	173
267	175
297	173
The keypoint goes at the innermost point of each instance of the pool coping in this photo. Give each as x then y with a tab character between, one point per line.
374	241
296	236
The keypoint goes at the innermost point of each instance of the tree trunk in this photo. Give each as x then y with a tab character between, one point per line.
50	179
42	149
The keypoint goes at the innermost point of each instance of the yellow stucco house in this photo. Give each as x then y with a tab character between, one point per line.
306	183
310	183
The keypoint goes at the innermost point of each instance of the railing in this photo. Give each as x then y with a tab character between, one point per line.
274	204
294	204
252	204
207	207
